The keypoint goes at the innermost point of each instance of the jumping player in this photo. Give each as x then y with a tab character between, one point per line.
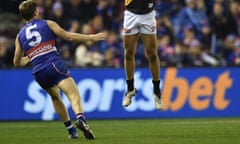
140	22
35	43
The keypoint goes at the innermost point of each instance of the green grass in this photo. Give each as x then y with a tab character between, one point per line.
147	131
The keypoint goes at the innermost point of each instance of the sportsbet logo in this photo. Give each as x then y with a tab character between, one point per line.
200	94
195	92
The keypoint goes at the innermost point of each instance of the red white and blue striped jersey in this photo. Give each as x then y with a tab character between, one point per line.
38	42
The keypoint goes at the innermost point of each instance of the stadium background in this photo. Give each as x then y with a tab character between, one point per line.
199	75
199	60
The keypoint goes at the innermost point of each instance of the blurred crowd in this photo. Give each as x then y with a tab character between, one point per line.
191	33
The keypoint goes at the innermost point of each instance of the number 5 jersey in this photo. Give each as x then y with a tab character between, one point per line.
38	42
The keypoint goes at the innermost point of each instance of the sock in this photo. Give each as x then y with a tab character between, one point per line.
156	87
81	116
130	84
68	125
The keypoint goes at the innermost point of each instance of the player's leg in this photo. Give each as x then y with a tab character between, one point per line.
62	111
130	39
58	104
68	86
150	45
149	38
46	78
129	44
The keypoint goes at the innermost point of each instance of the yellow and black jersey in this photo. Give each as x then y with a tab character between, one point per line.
140	6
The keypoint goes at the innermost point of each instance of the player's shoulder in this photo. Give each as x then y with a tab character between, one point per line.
48	21
22	30
51	24
36	21
26	25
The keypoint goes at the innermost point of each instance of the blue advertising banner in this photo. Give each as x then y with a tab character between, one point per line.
187	92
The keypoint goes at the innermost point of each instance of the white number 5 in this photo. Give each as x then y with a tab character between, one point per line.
33	35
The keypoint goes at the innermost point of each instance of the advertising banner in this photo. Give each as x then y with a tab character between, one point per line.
186	92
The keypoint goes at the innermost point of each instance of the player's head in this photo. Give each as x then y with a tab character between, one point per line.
28	9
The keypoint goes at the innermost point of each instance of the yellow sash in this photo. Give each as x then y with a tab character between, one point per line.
127	2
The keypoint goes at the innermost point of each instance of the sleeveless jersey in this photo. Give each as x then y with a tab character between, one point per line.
38	42
140	6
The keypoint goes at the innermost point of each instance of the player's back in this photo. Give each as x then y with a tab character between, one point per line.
38	43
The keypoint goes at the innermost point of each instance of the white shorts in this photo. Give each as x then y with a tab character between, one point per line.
136	23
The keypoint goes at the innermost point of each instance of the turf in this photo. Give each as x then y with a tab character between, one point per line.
147	131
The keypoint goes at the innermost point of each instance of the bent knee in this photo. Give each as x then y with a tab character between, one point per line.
152	57
129	55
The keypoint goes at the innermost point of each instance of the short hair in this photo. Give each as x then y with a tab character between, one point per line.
27	9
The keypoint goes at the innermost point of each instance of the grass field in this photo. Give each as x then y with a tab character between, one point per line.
147	131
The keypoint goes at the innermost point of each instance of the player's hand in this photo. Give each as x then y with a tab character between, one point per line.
98	36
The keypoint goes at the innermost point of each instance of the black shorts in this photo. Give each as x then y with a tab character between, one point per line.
52	74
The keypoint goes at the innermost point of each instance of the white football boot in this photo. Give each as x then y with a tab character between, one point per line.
158	101
128	97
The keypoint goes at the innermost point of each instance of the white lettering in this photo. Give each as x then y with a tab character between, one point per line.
109	86
36	104
48	110
95	96
90	92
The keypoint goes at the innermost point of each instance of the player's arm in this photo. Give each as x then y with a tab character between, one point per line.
74	37
19	58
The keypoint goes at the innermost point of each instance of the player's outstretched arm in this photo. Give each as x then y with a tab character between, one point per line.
74	37
19	58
